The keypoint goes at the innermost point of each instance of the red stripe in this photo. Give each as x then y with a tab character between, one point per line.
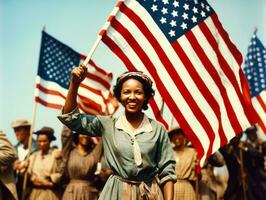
50	105
225	67
89	102
215	75
202	87
88	110
161	88
130	66
101	81
262	103
164	59
157	113
98	92
247	98
234	51
49	91
100	70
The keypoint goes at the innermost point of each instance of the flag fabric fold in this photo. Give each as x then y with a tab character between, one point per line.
54	73
255	71
182	45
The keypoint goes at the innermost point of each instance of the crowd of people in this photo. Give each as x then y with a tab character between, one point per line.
130	157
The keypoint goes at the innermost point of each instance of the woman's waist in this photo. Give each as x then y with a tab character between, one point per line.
136	180
81	181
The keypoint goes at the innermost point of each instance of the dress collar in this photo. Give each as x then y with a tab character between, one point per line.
124	125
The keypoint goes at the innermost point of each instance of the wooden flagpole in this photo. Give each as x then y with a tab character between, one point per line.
105	27
30	148
242	172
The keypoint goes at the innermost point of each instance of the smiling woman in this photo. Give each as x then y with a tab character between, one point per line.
146	170
42	168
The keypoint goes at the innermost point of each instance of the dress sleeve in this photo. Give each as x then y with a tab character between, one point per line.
166	161
7	151
82	123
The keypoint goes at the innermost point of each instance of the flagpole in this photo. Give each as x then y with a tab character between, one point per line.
242	172
29	147
103	30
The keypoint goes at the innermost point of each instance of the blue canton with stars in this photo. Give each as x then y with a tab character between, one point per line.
255	66
176	17
56	61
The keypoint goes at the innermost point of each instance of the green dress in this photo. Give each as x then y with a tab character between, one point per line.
129	180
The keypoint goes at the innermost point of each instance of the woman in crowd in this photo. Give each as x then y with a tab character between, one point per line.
42	168
186	160
136	148
80	155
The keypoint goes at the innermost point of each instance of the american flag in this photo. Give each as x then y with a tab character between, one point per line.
255	71
54	73
182	45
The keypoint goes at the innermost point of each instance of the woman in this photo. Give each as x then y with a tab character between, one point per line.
81	162
42	168
136	148
186	160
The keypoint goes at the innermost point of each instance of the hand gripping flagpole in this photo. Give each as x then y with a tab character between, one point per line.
103	31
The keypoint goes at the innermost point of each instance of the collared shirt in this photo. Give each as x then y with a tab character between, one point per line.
155	150
145	126
124	125
22	153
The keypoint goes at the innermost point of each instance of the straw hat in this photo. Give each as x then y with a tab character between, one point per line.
20	123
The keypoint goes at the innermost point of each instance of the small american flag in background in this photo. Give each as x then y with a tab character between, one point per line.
255	71
182	45
54	74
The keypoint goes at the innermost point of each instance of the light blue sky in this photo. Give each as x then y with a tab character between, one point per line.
76	23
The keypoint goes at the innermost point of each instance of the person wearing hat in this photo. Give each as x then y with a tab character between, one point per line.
7	180
42	168
136	148
186	161
254	159
22	131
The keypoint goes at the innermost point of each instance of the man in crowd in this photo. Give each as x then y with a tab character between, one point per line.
22	130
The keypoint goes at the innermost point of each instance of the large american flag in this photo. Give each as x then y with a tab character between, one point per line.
255	71
54	73
182	45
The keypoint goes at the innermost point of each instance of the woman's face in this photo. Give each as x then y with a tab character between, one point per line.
178	140
132	96
84	139
43	142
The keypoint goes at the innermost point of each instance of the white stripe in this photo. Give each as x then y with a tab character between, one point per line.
99	74
206	77
134	59
171	55
225	51
55	99
129	52
257	106
51	85
93	84
229	58
49	98
93	96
